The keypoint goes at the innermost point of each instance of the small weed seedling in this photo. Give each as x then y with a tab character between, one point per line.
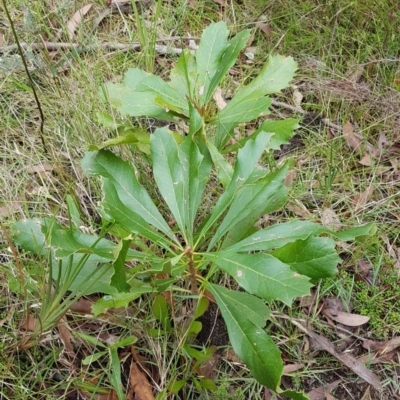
275	263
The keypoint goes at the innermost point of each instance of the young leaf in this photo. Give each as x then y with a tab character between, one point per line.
202	307
314	257
183	76
125	197
265	276
160	311
119	279
249	340
133	136
224	169
118	300
227	60
73	212
212	45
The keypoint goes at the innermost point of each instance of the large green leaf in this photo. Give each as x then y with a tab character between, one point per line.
141	94
123	214
255	105
170	175
252	200
125	197
277	236
84	274
28	235
69	241
314	257
198	167
359	233
246	161
264	275
244	316
250	101
181	173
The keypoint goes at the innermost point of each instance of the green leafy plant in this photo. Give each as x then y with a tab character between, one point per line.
200	240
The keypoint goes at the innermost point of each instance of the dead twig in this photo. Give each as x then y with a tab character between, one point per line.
298	110
54	46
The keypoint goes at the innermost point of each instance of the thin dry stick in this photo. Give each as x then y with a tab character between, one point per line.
54	46
21	53
298	110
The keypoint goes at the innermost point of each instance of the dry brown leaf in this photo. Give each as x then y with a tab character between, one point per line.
345	318
217	96
40	168
29	324
297	97
382	141
10	209
347	359
330	219
82	306
351	138
290	368
268	394
231	356
373	345
321	392
364	271
362	199
355	75
77	19
388	346
209	368
220	2
299	209
66	337
140	385
366	159
266	28
291	176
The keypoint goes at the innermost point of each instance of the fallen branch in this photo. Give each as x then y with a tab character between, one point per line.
54	46
299	110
